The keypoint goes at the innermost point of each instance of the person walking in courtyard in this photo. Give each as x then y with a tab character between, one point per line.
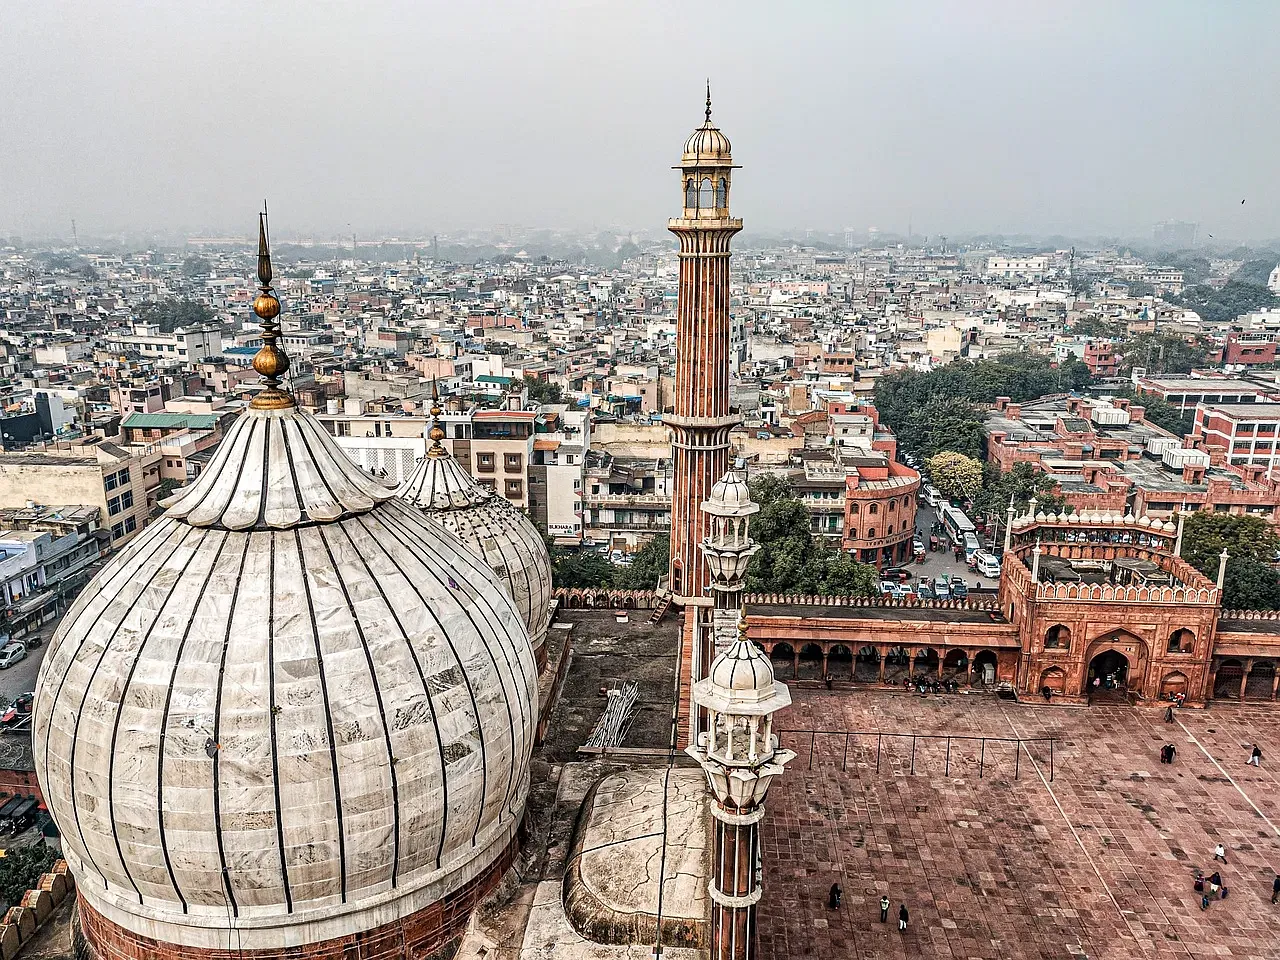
1215	881
1220	853
1173	752
902	918
1255	756
1168	715
833	900
1275	888
884	905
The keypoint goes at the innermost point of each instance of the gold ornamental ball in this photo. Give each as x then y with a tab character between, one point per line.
270	362
266	306
435	434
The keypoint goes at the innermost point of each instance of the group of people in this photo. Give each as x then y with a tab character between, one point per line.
922	685
1167	753
833	903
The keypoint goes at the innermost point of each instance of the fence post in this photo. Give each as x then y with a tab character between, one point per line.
879	737
982	761
913	753
948	767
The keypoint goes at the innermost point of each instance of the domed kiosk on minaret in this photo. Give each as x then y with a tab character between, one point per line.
292	717
494	528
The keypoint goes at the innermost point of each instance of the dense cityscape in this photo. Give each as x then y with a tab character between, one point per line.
570	568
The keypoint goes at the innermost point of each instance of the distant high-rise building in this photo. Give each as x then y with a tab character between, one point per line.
1175	232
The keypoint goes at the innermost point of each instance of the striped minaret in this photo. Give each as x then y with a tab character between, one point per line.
702	418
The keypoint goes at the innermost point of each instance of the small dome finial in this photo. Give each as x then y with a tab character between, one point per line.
270	361
436	433
708	99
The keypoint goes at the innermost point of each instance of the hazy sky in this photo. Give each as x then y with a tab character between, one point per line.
1031	116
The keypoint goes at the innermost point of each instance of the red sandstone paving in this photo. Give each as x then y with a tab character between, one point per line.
991	867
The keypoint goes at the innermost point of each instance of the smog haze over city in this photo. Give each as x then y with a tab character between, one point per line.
1039	119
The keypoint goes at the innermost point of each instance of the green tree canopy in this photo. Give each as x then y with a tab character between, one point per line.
195	266
1236	297
1161	353
1022	482
647	564
543	391
575	567
791	559
935	411
955	475
173	313
1251	543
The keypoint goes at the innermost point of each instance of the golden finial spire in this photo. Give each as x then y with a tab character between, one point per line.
742	625
436	433
708	99
270	361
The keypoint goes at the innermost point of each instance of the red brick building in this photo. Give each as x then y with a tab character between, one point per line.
1100	358
1249	349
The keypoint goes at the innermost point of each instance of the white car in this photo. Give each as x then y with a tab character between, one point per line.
987	565
10	654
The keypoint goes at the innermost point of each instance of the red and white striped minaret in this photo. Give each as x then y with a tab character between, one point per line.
702	417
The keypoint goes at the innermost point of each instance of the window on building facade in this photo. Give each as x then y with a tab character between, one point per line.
515	488
722	193
113	506
691	192
484	461
873	509
1057	637
513	462
1181	641
705	199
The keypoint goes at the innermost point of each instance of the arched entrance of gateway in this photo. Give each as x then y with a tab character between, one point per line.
1111	671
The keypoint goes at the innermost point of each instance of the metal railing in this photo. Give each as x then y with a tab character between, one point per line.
797	737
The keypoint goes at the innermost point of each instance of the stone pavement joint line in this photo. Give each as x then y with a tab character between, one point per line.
1099	864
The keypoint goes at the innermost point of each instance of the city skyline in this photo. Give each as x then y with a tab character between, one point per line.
396	120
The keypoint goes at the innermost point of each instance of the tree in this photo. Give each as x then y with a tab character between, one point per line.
647	564
21	868
171	314
791	559
1022	482
955	474
940	424
1221	306
1251	544
543	391
575	567
195	266
1161	353
1096	327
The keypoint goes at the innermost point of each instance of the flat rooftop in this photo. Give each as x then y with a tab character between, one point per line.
1096	863
892	613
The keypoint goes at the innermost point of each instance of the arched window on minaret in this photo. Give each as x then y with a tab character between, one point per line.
722	194
691	193
705	199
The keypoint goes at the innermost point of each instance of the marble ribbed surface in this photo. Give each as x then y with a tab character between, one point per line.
494	528
274	470
237	725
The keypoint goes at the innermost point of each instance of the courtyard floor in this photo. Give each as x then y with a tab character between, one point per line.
1097	863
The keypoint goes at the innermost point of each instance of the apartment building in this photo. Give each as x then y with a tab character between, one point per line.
557	473
46	554
121	483
185	345
1239	435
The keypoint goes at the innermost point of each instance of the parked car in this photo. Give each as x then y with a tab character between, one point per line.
942	587
932	495
986	564
924	590
901	574
890	589
10	654
959	589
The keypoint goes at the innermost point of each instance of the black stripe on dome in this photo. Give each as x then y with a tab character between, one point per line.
217	728
164	721
75	736
271	721
146	633
425	552
131	560
328	716
377	690
426	689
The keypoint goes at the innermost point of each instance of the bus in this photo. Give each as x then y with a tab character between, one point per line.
955	523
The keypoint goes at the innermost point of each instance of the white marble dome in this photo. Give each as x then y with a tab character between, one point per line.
495	529
291	709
